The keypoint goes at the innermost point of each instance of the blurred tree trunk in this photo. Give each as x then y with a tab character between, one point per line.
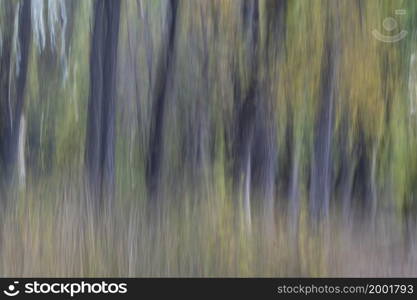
247	107
267	145
255	143
100	138
321	168
163	73
13	91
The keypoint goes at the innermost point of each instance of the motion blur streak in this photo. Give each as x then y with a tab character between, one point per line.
208	138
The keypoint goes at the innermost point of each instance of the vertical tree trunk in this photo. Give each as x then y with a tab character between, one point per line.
246	109
21	152
294	189
320	188
255	144
247	191
164	69
13	93
100	138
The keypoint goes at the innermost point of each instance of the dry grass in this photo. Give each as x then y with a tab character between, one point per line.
48	233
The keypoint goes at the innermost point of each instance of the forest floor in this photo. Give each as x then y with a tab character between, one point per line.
60	236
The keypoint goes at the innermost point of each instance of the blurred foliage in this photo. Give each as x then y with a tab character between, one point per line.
245	75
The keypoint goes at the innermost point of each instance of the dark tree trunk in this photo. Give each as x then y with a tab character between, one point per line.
13	94
164	69
347	173
246	108
255	147
321	169
100	139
